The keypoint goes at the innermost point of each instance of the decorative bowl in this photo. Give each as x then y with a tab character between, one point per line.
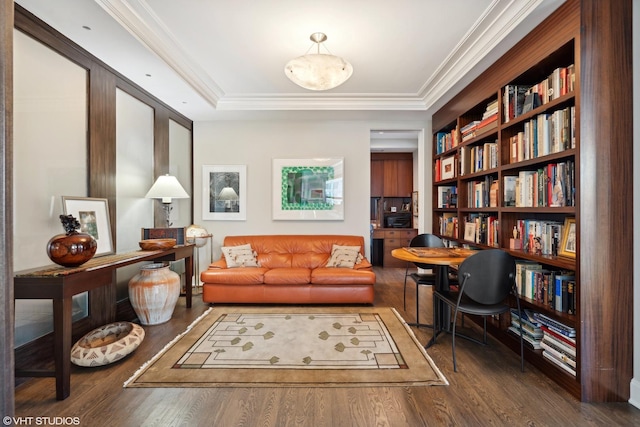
156	244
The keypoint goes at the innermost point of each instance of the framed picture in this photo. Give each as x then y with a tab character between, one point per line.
568	243
308	189
93	215
224	192
414	203
470	231
448	168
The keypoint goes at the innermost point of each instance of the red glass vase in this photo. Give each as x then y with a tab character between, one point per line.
71	249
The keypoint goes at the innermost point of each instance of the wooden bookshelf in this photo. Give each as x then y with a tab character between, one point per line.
593	39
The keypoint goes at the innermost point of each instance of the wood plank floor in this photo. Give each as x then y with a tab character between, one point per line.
488	389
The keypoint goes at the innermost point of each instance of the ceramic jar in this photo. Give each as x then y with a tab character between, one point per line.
71	249
154	292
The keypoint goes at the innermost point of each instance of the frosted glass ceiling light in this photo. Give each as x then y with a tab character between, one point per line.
318	71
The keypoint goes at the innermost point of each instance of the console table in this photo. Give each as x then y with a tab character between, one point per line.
60	284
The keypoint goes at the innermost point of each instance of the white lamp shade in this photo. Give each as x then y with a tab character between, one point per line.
166	188
318	71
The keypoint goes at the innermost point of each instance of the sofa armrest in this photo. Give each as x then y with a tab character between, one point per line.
364	265
221	263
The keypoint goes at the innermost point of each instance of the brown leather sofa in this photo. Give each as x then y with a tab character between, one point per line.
292	270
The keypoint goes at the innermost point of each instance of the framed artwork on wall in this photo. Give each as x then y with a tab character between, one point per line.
93	215
224	192
308	189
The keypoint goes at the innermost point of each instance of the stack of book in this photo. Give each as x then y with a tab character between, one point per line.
531	330
468	131
558	343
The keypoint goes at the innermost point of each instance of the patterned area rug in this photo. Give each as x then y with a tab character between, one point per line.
290	347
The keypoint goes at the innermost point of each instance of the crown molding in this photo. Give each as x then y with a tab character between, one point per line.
499	22
137	17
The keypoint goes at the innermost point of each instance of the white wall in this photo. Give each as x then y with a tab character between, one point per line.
256	143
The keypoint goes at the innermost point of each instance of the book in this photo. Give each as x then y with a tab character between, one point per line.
529	340
551	358
559	353
509	190
556	326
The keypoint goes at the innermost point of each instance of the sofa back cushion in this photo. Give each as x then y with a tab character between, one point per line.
298	251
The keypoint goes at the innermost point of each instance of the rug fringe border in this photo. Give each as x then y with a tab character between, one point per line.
420	346
141	369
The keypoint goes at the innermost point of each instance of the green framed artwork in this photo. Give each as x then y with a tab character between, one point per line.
308	189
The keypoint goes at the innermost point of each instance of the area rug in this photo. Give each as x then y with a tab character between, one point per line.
292	347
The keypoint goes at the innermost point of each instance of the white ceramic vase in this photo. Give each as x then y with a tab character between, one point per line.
153	293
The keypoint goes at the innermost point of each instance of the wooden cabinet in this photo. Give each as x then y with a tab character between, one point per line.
394	239
391	174
591	40
377	178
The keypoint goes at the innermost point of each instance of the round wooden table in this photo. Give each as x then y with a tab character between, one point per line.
442	258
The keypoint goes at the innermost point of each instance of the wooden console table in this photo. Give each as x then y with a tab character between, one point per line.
60	284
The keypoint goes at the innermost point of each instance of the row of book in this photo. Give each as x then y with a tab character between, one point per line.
543	135
552	185
482	229
541	237
540	332
520	99
448	224
478	158
447	196
482	194
446	141
488	122
554	289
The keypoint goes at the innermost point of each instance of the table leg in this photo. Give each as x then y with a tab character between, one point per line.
62	331
441	311
188	265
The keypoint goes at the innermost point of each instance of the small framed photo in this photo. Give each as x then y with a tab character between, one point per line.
568	243
448	168
414	203
93	215
470	231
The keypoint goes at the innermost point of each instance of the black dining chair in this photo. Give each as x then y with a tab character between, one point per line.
421	279
486	279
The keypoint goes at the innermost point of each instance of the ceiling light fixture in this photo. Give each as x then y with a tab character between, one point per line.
318	71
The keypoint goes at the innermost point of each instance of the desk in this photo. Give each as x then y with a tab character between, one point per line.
60	284
442	258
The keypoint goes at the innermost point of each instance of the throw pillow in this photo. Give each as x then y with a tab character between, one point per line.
344	256
240	256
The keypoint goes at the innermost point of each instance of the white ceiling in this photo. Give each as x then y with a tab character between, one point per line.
224	59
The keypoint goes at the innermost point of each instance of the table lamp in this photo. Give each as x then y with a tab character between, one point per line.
166	188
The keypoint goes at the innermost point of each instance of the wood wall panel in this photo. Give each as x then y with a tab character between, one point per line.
606	194
7	400
101	161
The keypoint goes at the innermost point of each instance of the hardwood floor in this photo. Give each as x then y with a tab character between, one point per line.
488	389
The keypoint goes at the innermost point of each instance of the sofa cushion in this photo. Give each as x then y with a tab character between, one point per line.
344	256
350	276
240	256
235	276
288	276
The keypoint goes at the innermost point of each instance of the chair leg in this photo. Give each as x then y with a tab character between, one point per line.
453	340
417	304
484	331
521	337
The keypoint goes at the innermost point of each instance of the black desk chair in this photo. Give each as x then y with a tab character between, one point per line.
486	280
421	279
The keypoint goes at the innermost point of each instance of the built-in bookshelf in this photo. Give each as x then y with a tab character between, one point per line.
514	157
